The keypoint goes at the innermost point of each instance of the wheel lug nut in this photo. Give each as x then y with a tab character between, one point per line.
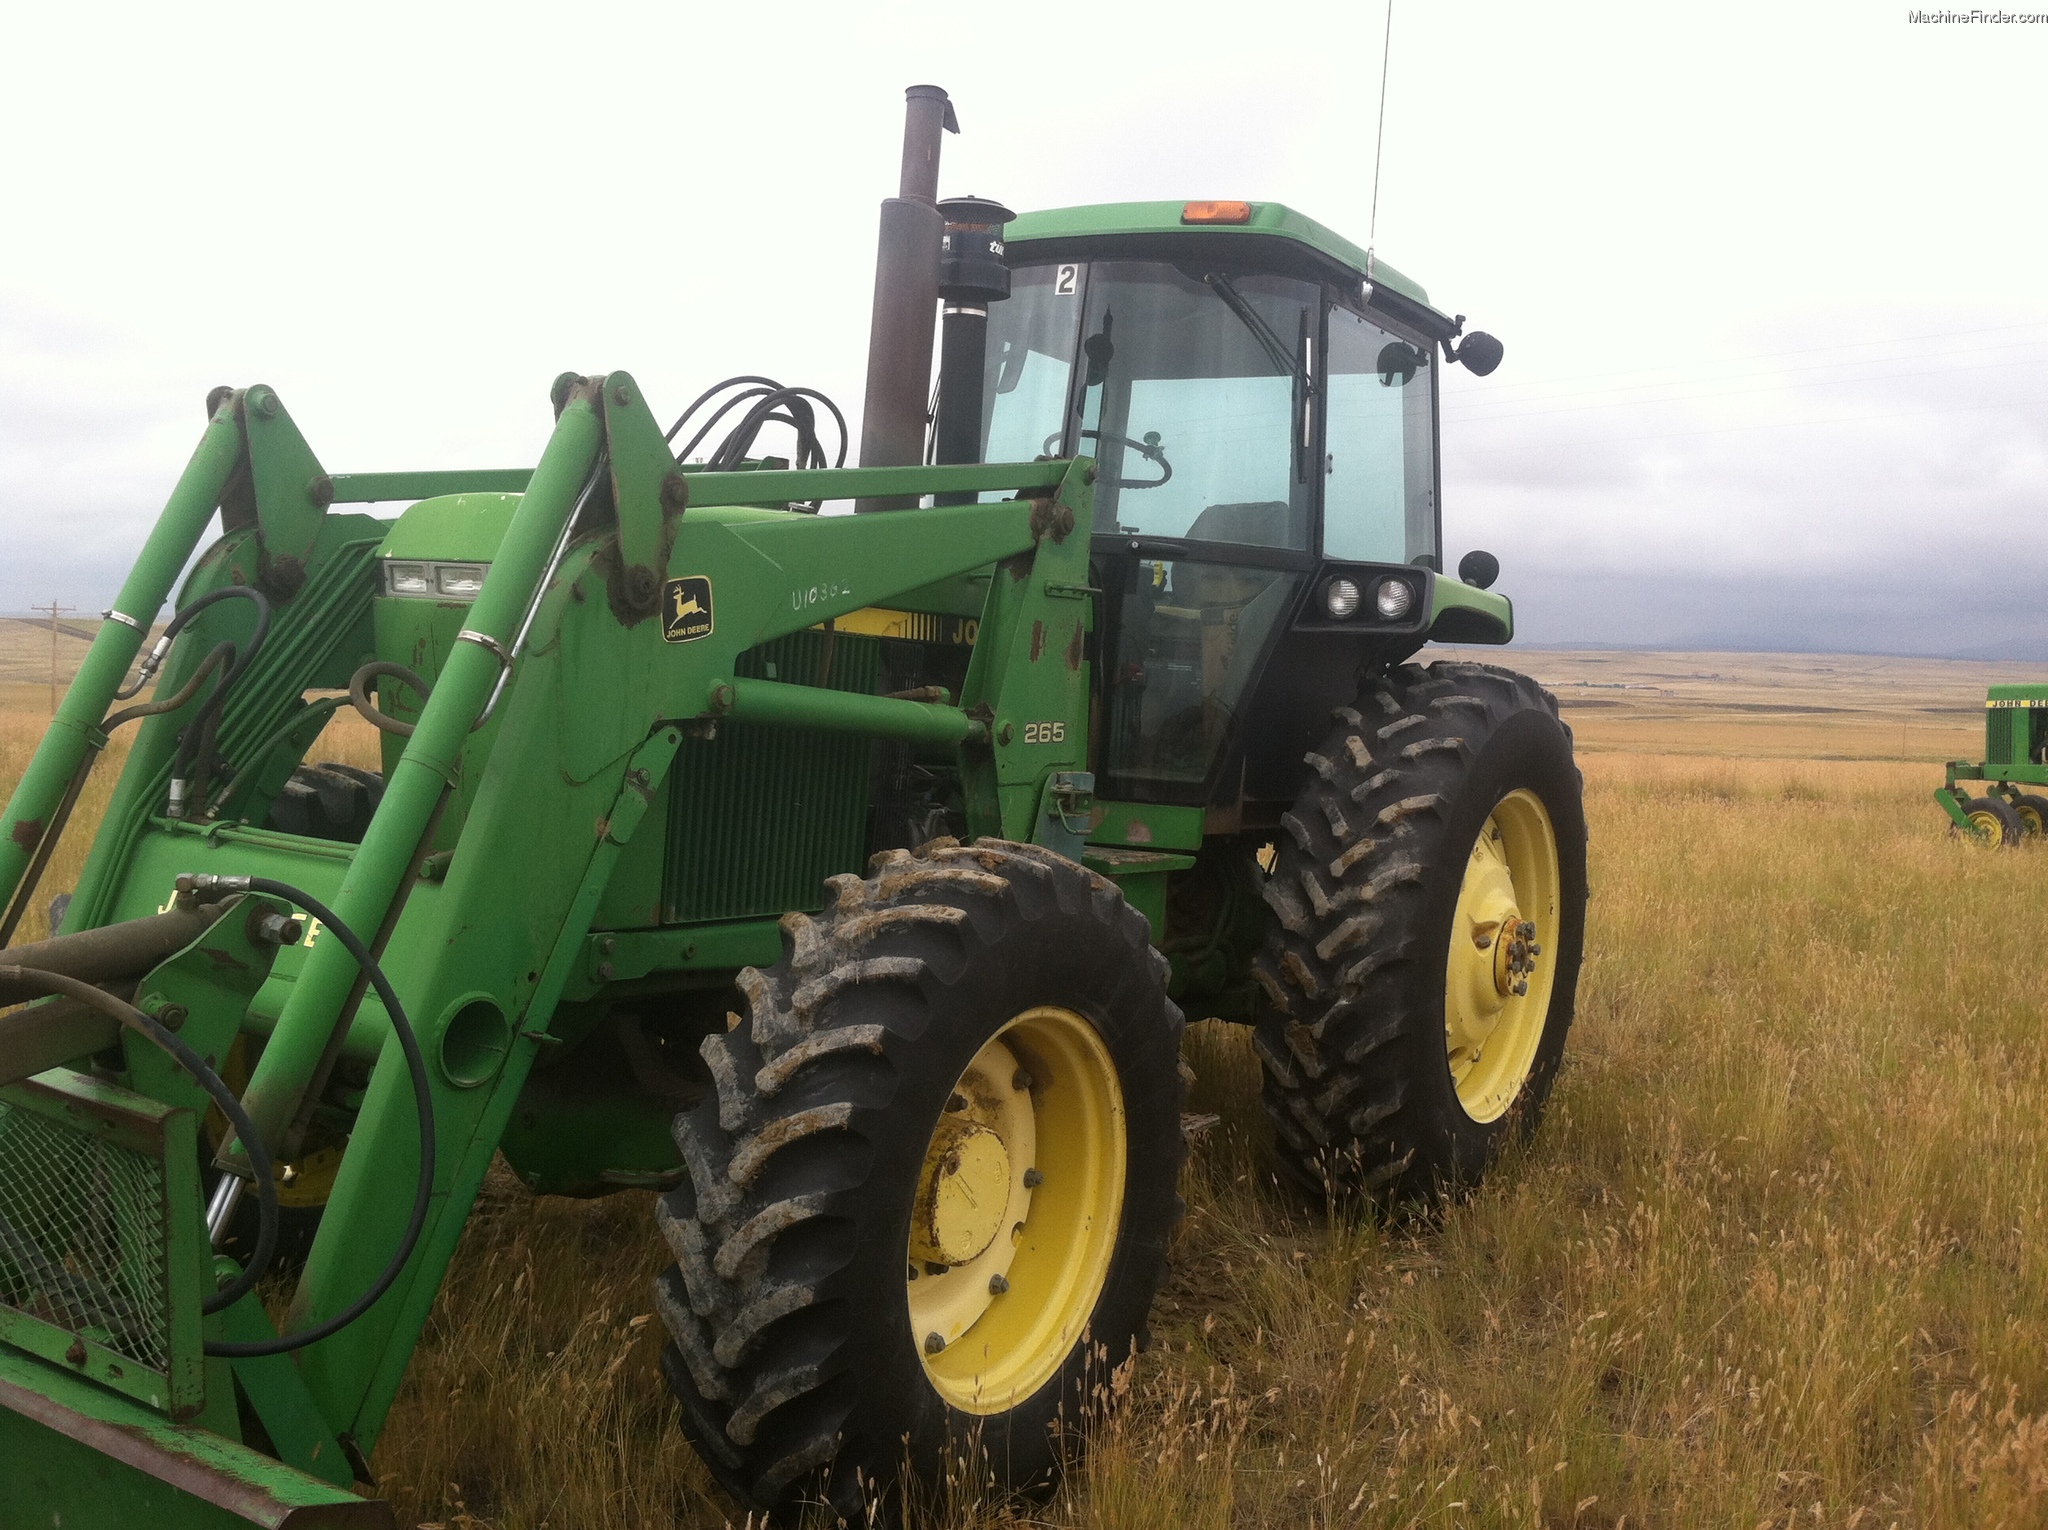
997	1285
933	1343
1033	1179
1021	1082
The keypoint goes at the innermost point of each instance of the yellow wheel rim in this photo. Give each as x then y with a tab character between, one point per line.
1017	1210
2030	819
1990	825
1501	968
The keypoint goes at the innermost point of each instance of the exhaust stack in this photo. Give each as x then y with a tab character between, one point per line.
892	427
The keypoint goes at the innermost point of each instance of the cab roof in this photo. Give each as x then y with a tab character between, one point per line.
1269	220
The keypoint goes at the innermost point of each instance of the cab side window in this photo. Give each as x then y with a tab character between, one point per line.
1379	442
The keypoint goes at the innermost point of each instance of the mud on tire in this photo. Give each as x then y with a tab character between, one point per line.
793	1351
1365	886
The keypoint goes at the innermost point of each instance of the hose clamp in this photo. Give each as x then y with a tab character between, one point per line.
124	619
486	642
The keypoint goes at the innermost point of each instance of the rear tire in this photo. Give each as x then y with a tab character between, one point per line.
910	1038
2032	810
1430	902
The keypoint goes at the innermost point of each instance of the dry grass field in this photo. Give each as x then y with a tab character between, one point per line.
1778	1257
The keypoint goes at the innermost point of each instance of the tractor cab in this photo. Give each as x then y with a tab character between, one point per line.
1261	400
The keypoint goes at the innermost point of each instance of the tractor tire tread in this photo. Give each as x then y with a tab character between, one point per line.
1338	962
777	1156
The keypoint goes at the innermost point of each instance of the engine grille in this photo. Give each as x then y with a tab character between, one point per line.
760	817
79	1220
92	1181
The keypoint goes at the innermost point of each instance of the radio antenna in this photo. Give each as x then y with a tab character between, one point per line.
1379	140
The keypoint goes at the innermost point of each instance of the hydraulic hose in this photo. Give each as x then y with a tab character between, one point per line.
198	736
359	695
152	1029
423	1101
177	624
223	655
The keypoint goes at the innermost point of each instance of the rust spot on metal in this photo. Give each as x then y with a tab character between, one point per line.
1049	518
28	833
1074	649
1037	640
1018	567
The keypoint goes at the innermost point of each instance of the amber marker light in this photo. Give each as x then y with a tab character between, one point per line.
1216	212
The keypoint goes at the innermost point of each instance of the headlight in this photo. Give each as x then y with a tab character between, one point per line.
434	581
461	581
408	579
1340	598
1394	597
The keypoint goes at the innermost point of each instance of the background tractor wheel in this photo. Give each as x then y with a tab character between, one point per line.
2033	814
1430	895
1997	822
928	1205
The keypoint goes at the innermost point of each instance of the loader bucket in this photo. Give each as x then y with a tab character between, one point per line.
89	1459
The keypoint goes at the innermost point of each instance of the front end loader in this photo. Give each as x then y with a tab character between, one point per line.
839	880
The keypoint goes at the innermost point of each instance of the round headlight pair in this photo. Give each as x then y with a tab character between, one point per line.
1393	599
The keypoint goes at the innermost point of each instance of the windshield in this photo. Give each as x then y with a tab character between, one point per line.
1379	492
1193	405
1191	397
1031	338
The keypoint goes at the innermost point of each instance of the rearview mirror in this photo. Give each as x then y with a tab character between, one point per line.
1479	569
1480	352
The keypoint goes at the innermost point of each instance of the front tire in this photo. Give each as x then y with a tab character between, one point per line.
932	1193
1430	903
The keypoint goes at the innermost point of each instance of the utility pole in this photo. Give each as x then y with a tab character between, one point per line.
55	610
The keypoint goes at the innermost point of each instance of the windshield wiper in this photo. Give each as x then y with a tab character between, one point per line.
1277	350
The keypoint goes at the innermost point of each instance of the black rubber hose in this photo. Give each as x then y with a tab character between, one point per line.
720	413
179	622
423	1101
223	654
194	759
153	1030
359	695
711	392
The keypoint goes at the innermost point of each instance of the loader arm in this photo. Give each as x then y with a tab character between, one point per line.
622	600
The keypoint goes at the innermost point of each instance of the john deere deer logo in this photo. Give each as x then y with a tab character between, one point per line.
686	609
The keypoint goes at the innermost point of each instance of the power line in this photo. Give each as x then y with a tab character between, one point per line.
1469	401
1802	423
1682	398
1808	350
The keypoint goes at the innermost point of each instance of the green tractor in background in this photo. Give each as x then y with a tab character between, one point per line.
843	879
2015	755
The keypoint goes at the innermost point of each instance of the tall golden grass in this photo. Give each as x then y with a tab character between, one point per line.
1776	1257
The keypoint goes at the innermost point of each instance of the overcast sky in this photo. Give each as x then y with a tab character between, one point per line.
1770	277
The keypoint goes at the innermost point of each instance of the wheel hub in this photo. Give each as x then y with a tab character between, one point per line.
965	1191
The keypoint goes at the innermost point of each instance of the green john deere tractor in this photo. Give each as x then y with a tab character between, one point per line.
2015	756
840	879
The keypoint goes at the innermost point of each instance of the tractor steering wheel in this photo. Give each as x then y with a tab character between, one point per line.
1148	448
